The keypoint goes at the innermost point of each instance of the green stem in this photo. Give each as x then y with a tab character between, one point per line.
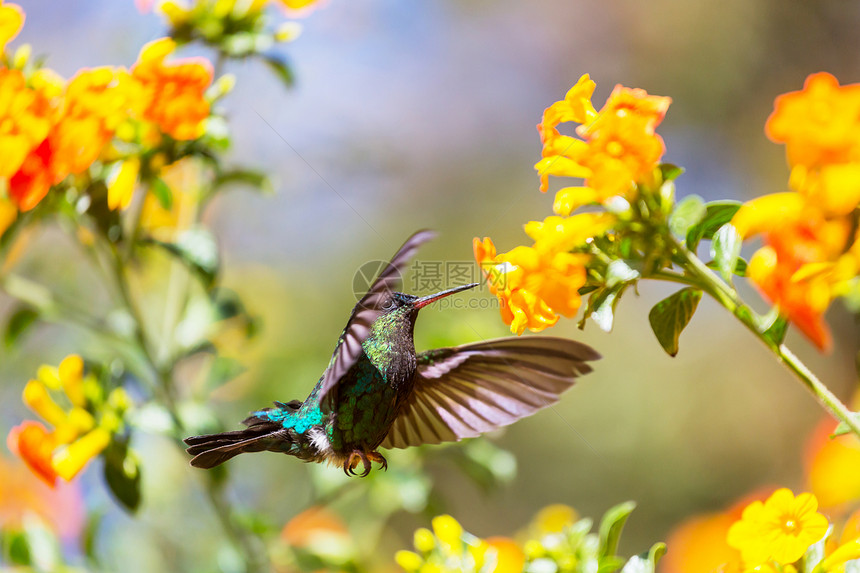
708	281
239	537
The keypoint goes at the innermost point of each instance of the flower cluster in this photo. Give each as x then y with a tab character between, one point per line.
81	430
52	128
618	150
450	548
556	540
810	253
618	144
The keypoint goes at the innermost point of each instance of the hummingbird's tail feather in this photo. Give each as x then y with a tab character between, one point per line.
215	449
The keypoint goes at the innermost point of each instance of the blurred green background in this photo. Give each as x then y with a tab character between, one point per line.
408	115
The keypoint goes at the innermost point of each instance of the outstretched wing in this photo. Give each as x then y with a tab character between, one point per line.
465	391
367	310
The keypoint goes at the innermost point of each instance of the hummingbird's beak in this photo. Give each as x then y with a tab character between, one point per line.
425	300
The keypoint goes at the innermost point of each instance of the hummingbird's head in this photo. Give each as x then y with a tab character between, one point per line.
398	300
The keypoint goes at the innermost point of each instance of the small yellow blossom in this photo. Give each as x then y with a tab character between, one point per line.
780	529
80	432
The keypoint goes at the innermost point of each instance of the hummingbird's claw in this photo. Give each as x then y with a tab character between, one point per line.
352	462
365	458
377	457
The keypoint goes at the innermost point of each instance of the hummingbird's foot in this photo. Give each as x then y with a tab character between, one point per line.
377	457
350	464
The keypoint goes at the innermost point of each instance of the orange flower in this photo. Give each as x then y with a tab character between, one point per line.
313	523
833	466
799	267
618	147
534	286
11	21
175	91
819	124
97	101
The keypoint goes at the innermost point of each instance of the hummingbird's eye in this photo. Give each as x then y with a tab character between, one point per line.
388	304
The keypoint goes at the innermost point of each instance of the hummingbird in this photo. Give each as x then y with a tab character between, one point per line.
378	392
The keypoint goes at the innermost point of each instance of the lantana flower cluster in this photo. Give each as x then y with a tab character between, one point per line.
82	418
617	148
51	128
811	252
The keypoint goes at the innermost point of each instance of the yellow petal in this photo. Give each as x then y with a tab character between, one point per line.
843	553
423	540
11	20
8	214
448	531
767	212
408	560
71	373
37	398
69	461
121	190
570	199
840	188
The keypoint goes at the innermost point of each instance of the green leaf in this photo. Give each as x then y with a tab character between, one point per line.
740	267
610	528
197	249
717	214
777	330
657	551
16	548
20	321
726	248
844	428
688	212
249	177
282	69
163	193
670	172
671	315
122	474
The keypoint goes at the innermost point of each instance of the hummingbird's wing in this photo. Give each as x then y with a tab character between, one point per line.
348	348
467	390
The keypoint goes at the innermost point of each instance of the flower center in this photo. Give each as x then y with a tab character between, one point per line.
790	526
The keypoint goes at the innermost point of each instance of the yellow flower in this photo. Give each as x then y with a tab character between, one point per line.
533	285
619	146
77	437
554	518
780	529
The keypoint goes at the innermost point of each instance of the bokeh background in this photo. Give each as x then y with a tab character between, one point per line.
408	115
